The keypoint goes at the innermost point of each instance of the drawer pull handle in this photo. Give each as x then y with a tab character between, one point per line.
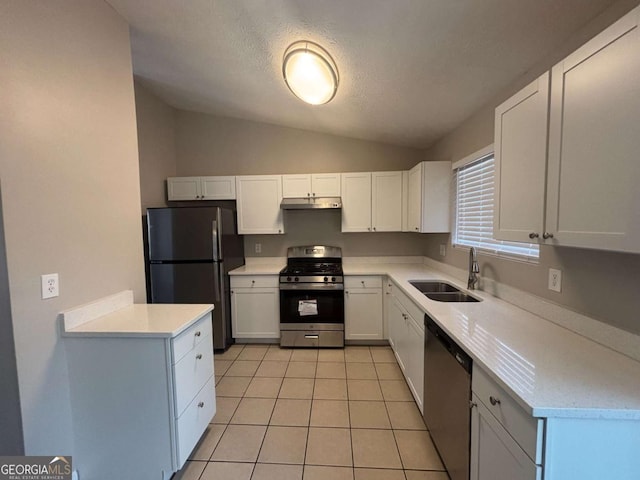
201	404
313	337
197	334
494	401
198	356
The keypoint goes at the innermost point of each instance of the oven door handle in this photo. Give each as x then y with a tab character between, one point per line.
311	286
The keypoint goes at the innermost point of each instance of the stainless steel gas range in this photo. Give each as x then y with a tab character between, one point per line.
312	298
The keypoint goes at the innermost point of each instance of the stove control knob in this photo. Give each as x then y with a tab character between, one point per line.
296	279
333	279
326	279
288	279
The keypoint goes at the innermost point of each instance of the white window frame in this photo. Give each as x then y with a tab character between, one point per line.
527	252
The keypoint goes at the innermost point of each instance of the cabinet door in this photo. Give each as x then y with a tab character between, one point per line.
325	185
405	201
398	332
363	314
592	186
183	188
520	163
356	202
415	359
494	453
386	201
259	198
218	188
436	197
255	313
414	198
296	186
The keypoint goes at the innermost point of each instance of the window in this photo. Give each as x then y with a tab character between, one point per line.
474	210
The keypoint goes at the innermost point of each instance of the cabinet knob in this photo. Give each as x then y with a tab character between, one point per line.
313	194
494	401
308	194
374	229
279	231
346	292
369	228
362	282
533	235
231	292
198	333
546	235
253	282
417	229
199	356
201	404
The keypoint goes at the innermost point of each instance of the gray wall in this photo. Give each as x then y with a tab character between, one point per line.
11	440
211	145
70	192
156	146
603	285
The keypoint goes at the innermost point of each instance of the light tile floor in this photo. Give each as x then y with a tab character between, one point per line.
304	414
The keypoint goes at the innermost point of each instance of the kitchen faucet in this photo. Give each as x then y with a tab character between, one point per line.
474	269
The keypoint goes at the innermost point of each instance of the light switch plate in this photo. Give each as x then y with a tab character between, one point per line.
555	280
443	249
50	285
258	248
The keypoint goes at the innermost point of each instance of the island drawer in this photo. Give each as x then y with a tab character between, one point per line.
193	422
192	372
526	430
191	337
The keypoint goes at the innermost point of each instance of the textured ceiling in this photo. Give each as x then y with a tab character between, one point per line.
410	70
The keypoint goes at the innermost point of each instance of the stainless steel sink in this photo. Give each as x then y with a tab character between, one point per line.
441	291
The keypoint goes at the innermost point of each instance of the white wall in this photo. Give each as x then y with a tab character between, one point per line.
71	194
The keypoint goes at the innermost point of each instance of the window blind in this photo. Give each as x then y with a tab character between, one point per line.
474	212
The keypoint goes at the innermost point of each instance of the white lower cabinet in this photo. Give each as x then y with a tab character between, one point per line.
143	400
255	307
406	337
363	308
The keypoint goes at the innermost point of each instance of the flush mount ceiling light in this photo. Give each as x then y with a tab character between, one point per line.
310	72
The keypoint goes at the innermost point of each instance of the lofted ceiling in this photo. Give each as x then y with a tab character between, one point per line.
410	70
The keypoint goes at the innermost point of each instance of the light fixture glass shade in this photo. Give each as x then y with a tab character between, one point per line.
310	72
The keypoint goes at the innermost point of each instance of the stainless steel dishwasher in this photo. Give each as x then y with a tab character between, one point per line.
447	396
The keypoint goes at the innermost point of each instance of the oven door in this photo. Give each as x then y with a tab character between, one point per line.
321	306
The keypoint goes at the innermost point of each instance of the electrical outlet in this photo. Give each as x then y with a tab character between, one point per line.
258	248
50	285
555	280
443	249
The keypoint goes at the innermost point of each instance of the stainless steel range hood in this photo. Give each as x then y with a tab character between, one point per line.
309	203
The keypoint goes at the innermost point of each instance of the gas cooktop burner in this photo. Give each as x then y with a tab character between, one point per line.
312	269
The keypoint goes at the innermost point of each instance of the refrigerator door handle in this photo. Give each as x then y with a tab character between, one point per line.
218	283
215	240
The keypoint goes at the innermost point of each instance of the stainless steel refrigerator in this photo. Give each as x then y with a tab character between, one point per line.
190	252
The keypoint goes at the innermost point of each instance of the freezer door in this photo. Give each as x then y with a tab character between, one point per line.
183	282
179	234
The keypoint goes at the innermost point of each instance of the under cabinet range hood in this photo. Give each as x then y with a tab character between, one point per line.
311	203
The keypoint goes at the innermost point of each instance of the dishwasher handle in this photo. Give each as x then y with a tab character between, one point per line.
447	342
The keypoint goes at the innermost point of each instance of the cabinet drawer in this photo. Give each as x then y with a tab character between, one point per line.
412	309
260	281
359	281
191	337
525	429
192	372
193	422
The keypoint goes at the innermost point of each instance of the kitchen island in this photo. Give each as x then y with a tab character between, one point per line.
142	385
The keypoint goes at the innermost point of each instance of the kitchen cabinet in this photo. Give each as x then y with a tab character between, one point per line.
314	185
255	307
428	209
406	337
520	163
143	399
258	202
363	308
590	173
201	188
372	202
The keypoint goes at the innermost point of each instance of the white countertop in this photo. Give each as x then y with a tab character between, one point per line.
550	370
142	320
258	269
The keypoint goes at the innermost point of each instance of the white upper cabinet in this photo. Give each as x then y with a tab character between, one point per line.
386	201
428	209
356	202
372	202
201	188
520	163
258	199
593	199
314	185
